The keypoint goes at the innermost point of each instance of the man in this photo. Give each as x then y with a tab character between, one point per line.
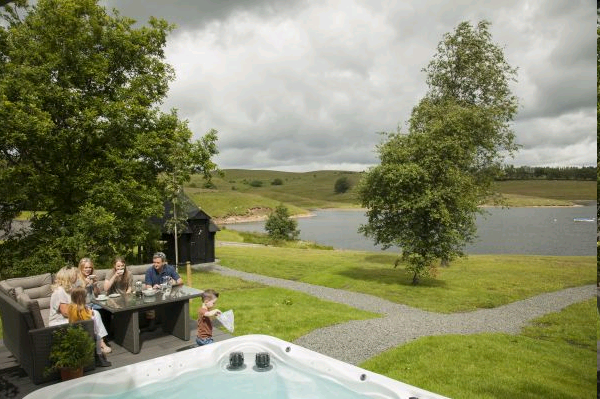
160	269
154	276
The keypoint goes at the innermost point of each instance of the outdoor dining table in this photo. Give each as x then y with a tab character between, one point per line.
125	310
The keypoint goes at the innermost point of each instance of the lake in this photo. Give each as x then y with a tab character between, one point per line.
531	231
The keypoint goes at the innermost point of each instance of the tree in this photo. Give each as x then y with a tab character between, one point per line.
341	185
280	226
83	142
424	195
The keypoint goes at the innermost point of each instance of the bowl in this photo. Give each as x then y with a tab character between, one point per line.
101	297
149	292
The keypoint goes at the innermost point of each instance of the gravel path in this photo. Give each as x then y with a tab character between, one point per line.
356	341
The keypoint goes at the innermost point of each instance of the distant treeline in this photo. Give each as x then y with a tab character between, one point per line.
549	173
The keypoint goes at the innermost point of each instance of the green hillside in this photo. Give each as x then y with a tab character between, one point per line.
252	192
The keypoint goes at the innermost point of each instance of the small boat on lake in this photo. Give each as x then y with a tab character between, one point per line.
584	219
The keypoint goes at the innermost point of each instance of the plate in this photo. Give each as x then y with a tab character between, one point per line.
114	295
101	297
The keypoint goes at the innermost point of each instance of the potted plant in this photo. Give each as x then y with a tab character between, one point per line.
72	349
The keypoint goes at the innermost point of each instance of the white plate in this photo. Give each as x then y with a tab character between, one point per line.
114	295
102	297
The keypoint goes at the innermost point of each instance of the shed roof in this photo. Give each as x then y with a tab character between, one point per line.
191	210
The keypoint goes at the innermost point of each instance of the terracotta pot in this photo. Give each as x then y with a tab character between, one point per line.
70	373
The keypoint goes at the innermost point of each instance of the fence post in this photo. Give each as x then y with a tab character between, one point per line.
188	269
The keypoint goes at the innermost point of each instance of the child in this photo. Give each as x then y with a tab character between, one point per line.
79	311
205	313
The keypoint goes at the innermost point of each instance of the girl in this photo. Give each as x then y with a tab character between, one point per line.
120	281
77	310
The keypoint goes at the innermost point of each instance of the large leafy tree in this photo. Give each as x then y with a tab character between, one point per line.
83	143
424	195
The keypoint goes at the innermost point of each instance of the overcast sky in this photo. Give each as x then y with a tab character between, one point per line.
306	85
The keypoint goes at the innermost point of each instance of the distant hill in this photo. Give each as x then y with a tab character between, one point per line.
244	192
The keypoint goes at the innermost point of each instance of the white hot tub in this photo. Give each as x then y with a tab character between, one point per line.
215	371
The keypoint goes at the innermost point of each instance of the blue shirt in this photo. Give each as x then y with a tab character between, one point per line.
153	277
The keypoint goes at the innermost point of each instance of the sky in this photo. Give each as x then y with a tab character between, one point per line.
299	86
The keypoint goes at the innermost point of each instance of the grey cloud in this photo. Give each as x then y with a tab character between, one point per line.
320	99
197	13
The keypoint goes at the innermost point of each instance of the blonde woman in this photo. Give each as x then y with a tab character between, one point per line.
87	279
119	280
61	298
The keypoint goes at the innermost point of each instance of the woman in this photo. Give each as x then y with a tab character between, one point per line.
87	279
61	297
119	280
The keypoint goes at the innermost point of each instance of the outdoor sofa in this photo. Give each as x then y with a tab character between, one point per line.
24	308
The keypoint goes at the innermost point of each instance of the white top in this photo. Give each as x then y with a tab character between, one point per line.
54	316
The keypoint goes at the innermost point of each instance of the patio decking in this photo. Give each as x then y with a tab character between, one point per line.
15	384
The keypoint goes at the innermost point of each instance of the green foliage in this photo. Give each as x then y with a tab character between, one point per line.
276	182
82	136
341	185
280	226
72	347
424	195
256	183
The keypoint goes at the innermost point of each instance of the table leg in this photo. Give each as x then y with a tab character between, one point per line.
126	327
177	319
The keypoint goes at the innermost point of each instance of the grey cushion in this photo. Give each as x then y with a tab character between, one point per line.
101	273
138	269
45	315
24	301
34	309
30	282
44	291
44	303
14	292
5	287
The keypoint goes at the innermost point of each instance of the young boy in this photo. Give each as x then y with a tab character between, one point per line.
205	313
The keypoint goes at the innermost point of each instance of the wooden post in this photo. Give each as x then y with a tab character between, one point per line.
188	269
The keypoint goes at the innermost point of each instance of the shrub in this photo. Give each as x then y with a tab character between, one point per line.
341	185
280	226
256	183
277	182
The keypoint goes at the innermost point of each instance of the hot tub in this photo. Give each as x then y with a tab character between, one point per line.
270	369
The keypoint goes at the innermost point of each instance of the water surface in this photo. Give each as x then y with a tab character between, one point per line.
531	231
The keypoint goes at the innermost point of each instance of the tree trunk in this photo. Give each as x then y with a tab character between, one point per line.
415	279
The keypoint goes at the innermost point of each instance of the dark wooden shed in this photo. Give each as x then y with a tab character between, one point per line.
196	242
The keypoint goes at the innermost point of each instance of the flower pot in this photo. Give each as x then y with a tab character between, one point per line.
67	373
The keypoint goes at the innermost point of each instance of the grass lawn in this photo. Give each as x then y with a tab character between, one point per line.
479	281
553	358
278	312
